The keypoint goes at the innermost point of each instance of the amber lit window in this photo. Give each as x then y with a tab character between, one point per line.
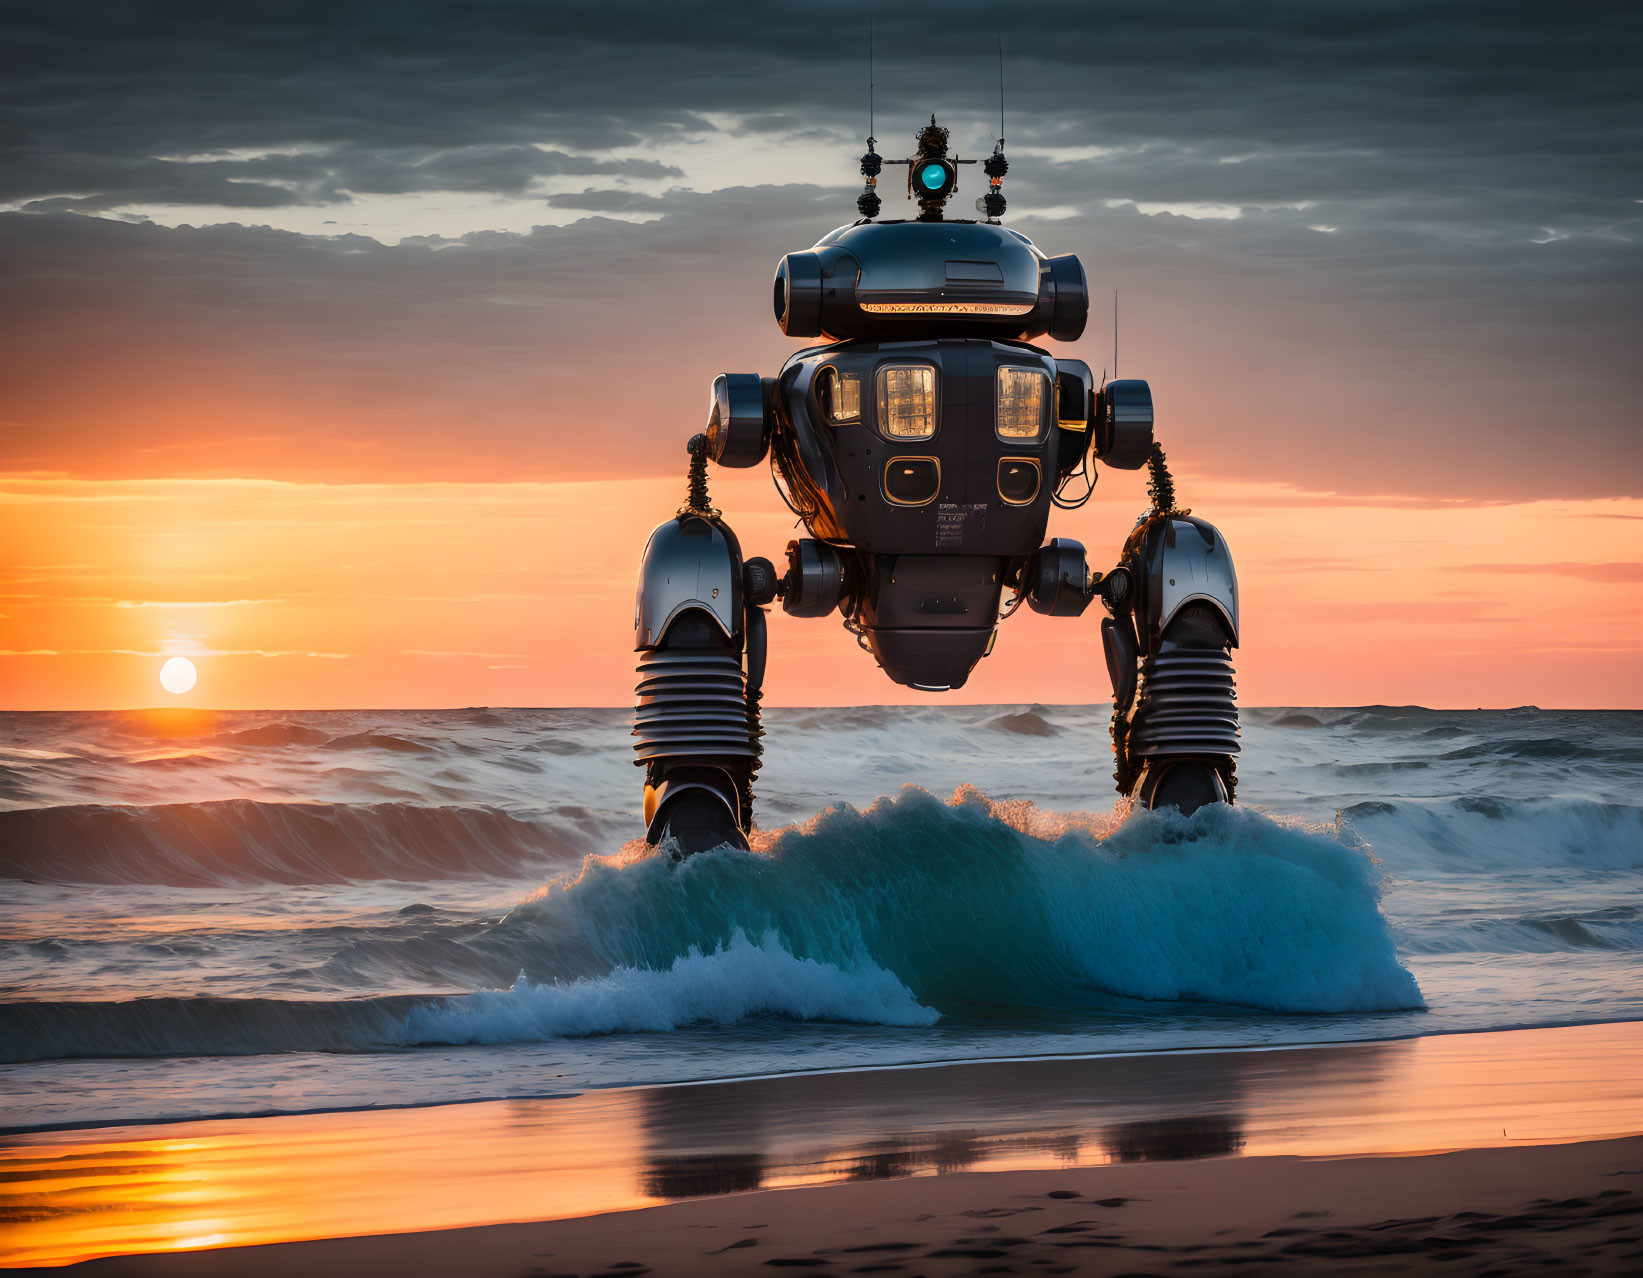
840	395
907	401
1020	403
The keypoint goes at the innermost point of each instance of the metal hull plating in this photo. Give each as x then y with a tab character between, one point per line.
929	526
922	449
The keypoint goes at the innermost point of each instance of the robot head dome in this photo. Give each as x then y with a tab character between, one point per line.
930	276
959	279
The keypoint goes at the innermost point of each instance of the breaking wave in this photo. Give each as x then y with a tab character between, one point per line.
908	912
1617	928
1535	748
277	734
1488	834
975	915
196	1027
729	985
243	841
379	741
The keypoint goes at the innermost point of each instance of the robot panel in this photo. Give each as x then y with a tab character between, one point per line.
944	446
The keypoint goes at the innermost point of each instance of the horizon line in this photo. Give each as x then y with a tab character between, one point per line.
866	705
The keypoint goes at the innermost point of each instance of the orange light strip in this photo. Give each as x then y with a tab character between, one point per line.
946	308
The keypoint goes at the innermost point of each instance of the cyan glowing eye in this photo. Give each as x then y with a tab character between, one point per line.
933	176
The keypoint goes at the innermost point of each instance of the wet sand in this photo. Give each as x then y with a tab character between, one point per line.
1229	1139
1566	1208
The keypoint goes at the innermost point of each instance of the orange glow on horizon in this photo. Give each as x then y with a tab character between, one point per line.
298	595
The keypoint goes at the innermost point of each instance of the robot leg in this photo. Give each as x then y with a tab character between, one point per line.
697	715
1169	646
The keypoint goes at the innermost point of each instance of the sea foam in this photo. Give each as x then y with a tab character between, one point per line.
720	987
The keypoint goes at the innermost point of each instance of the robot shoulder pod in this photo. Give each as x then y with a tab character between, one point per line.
1187	560
691	565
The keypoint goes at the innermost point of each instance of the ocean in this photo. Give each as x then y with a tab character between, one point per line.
223	914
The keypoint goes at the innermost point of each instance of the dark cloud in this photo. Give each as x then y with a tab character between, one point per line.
327	175
504	169
1462	323
586	350
574	351
607	201
1479	98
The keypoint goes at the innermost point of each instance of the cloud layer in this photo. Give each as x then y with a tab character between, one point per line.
1367	247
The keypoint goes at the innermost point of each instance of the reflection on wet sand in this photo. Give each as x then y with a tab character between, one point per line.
698	1175
915	1155
787	1130
1174	1138
70	1195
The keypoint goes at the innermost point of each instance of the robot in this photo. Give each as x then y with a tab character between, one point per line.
922	443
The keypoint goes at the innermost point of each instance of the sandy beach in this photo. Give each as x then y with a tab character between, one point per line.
1573	1208
1352	1151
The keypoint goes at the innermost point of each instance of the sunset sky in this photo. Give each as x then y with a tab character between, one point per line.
354	358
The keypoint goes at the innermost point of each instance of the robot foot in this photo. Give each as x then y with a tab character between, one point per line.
694	818
1184	731
1187	784
698	740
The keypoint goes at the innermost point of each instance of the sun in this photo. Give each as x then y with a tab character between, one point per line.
178	675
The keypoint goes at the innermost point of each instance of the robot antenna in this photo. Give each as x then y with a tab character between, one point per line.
1001	89
868	203
992	204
